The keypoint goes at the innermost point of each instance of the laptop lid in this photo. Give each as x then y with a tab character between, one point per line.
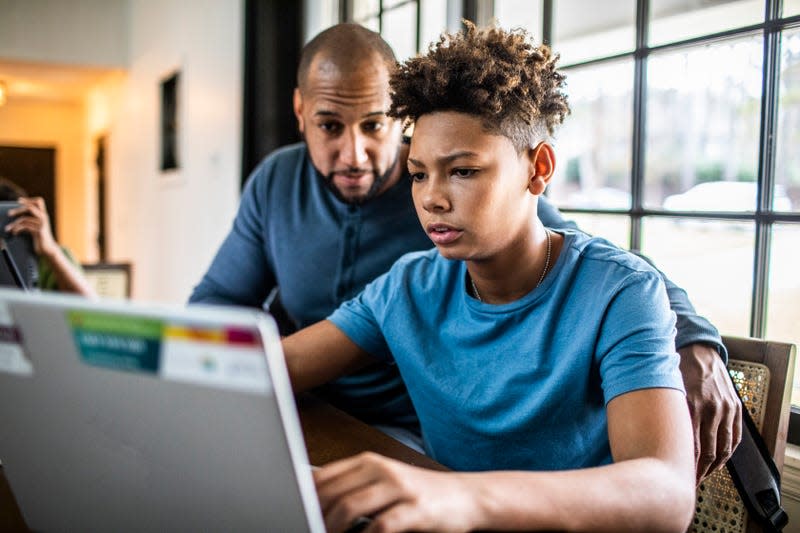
118	416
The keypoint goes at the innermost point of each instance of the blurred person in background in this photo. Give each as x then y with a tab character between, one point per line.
58	270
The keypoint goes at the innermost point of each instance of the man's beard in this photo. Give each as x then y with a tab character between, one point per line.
374	189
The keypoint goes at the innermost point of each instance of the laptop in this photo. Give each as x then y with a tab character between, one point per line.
119	416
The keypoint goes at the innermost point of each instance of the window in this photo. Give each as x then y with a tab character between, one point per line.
407	25
682	144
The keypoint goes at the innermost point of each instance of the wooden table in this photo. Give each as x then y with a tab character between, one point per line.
330	434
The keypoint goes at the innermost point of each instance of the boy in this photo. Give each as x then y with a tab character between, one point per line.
541	362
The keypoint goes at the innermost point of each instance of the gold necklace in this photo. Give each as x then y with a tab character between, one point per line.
541	278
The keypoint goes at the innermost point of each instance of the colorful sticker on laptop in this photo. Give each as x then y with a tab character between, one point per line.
222	357
12	355
119	342
218	357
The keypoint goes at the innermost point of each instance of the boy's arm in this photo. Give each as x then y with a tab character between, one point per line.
650	487
713	402
320	353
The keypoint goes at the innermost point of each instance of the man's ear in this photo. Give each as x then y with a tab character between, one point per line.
297	103
542	164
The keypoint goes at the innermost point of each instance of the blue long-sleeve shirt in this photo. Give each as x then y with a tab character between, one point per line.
293	233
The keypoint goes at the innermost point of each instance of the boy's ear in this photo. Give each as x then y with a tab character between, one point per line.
542	164
297	104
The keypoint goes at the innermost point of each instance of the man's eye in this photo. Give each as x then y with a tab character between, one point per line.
330	127
370	127
463	172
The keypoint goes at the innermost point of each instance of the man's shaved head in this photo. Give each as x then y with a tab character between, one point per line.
347	46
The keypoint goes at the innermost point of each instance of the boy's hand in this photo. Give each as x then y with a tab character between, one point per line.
397	497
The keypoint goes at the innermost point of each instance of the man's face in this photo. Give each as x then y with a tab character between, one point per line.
352	142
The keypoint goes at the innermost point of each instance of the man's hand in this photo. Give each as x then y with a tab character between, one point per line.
397	496
31	217
714	407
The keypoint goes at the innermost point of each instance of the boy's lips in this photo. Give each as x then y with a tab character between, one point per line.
443	233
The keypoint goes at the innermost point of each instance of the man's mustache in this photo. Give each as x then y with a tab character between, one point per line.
353	171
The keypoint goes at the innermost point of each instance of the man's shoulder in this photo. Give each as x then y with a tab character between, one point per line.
288	155
284	161
596	250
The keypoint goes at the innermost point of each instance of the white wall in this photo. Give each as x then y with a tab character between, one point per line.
170	224
86	32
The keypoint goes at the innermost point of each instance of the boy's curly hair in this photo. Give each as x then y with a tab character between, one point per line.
494	74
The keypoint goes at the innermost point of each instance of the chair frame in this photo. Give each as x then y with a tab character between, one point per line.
779	357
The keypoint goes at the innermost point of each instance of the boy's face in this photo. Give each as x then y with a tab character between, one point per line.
351	141
471	189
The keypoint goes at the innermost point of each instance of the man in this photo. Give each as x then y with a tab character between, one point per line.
323	218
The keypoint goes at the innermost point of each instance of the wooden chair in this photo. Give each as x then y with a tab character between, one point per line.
763	372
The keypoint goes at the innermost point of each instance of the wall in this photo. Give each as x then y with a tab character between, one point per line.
86	32
58	125
170	224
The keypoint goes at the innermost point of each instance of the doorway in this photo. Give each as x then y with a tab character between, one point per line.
33	169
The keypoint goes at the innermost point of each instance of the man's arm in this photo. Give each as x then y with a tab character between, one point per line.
648	488
240	273
713	402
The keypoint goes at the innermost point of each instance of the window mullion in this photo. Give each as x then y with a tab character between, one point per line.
766	168
639	121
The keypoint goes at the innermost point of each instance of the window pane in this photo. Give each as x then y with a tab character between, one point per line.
608	31
783	313
391	3
703	106
712	260
786	196
614	228
371	23
520	13
433	21
593	147
676	20
363	9
400	30
791	7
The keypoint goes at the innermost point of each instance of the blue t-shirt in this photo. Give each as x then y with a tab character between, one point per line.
522	385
